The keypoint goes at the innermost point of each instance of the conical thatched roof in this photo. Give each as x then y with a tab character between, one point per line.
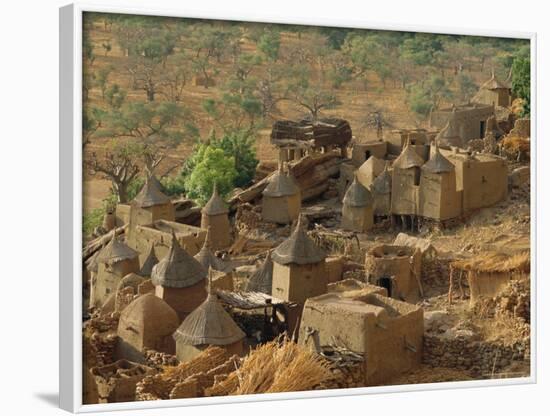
115	251
151	194
493	83
408	158
215	205
298	248
262	279
281	184
207	259
130	280
177	269
372	164
209	324
149	262
382	183
438	163
450	134
357	195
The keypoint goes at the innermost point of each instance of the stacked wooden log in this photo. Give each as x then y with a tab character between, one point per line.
187	211
324	132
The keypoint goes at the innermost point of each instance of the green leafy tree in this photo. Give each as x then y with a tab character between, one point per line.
339	72
234	112
521	82
148	44
240	145
421	49
212	167
92	120
208	43
335	36
269	43
425	97
175	76
360	50
106	47
102	79
115	96
309	94
466	87
241	80
166	122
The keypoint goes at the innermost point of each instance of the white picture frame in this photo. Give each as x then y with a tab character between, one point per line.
70	261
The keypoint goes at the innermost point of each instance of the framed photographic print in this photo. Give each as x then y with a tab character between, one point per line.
257	209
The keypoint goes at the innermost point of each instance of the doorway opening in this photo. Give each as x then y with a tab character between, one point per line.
386	282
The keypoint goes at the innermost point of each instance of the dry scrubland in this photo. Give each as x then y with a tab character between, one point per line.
358	98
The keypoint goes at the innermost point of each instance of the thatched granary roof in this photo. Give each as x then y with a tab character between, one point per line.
149	263
215	205
262	279
493	83
149	313
492	262
382	183
115	251
151	194
281	184
408	158
130	280
357	195
450	134
177	269
298	248
322	132
438	163
209	324
207	259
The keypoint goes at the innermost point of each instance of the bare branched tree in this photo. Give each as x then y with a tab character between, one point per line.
119	165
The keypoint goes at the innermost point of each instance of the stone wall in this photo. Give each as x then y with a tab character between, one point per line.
482	359
435	272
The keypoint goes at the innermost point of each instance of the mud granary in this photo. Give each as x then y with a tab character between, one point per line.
215	216
209	324
112	263
180	280
357	208
298	268
428	184
281	198
494	92
146	323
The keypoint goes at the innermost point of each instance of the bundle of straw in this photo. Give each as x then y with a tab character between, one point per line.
159	386
278	366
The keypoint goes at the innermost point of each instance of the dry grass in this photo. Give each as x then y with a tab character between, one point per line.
495	263
278	366
427	374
